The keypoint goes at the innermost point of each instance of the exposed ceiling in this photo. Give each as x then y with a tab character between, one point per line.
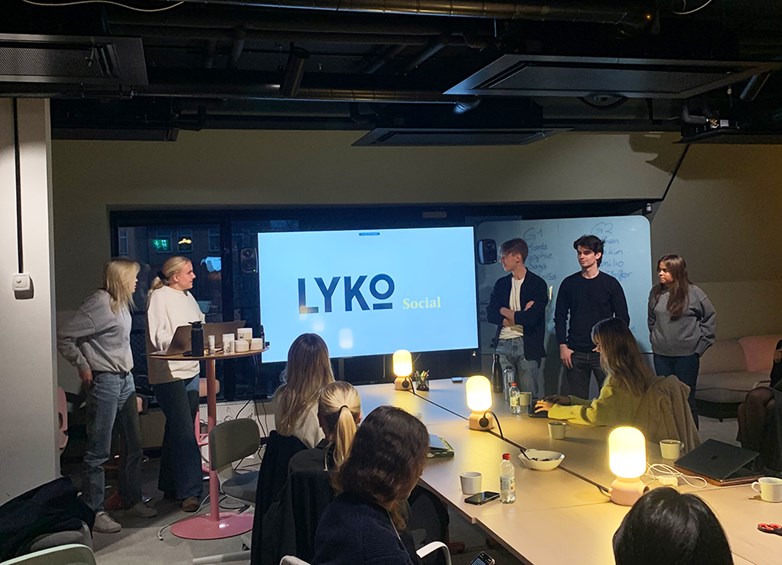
414	72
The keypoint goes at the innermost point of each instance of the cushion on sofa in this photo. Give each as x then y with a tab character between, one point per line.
730	386
759	352
724	356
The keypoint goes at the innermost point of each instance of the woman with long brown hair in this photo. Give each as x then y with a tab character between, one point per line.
362	524
296	402
682	324
627	378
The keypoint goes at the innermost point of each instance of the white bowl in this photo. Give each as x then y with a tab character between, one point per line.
542	460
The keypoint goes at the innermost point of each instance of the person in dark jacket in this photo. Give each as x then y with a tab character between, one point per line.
363	524
518	308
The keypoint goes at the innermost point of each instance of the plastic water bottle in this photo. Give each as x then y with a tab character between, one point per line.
507	480
496	373
508	376
514	399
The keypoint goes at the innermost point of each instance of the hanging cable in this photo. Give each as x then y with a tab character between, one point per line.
18	175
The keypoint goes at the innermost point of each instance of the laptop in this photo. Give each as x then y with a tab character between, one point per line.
180	342
719	463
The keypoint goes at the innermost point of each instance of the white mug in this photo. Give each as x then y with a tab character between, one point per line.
671	448
557	430
471	482
770	488
525	398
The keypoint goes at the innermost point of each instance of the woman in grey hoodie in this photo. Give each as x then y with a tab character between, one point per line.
682	324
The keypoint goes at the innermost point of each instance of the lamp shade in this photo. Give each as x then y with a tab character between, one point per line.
403	363
627	452
478	390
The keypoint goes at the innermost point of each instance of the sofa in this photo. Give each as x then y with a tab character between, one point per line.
729	369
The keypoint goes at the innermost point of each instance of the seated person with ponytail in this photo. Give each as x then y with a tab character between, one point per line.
289	524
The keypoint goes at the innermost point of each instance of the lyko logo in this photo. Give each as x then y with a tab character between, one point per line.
381	287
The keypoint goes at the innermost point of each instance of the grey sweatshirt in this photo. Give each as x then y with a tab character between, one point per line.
96	337
694	332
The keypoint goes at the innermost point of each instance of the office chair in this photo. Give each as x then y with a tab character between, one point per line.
70	554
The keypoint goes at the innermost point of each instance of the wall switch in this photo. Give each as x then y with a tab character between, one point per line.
21	282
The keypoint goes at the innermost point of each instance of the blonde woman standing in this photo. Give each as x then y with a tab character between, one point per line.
170	305
682	324
296	402
96	340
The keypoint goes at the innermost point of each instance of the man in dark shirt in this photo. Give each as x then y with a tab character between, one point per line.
518	307
584	299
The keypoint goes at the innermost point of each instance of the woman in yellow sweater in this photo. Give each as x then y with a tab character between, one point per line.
626	382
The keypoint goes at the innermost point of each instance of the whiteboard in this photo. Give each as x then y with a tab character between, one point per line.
626	256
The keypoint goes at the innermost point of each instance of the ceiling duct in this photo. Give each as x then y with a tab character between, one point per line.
594	11
544	75
60	60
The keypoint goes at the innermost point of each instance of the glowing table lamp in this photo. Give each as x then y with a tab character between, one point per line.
403	367
627	460
478	390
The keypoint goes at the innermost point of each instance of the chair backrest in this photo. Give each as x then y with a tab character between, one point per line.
665	414
69	554
428	520
232	440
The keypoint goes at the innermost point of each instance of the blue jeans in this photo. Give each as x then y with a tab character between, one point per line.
112	400
578	377
528	376
686	370
180	459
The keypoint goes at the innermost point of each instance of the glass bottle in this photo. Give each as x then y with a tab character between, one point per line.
496	374
508	376
507	480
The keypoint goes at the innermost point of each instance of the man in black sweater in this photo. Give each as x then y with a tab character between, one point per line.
584	299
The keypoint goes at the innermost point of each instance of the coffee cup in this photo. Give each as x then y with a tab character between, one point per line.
245	334
241	346
770	488
671	448
256	344
557	430
471	482
525	398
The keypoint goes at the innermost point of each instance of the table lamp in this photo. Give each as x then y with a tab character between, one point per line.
478	390
627	460
403	367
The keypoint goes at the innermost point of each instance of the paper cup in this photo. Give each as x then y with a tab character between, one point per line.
241	346
256	344
557	430
471	482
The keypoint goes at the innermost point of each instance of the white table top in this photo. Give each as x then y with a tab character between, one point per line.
552	506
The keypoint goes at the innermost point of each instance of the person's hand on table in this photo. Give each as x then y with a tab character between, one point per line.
545	404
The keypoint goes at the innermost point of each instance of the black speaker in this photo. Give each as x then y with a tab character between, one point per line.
248	260
487	251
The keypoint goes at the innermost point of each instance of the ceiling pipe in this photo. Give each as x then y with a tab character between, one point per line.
236	48
594	11
754	85
390	52
431	51
294	72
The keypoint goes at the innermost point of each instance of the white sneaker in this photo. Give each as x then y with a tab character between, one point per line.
142	510
104	524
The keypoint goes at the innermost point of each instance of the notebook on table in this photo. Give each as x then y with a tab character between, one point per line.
720	463
180	342
438	447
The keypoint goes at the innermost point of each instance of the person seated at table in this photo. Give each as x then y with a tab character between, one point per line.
289	524
664	526
296	402
363	523
760	415
626	382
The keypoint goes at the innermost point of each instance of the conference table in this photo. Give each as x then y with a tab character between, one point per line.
564	515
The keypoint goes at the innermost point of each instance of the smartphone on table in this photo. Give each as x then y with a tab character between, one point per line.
482	497
483	558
